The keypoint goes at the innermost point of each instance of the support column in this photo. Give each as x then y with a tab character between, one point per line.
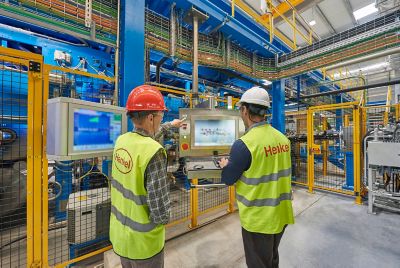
172	32
188	86
195	70
339	114
396	89
132	53
298	80
325	148
278	105
228	52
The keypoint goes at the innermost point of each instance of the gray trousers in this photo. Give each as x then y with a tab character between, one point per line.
261	250
157	261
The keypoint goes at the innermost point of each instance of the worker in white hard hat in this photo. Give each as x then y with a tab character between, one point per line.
260	165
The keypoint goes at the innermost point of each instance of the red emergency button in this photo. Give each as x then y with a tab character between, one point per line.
185	146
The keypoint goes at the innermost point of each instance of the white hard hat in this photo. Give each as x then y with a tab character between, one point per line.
256	95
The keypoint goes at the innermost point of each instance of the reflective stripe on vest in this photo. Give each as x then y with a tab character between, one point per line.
270	202
135	226
267	178
140	200
264	190
132	234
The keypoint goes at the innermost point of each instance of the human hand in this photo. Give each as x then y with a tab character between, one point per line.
177	123
223	162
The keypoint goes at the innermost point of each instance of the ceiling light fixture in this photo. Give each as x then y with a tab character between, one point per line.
312	23
365	11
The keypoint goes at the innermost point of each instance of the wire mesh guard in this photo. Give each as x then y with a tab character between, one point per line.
79	208
212	197
333	166
79	195
310	86
70	14
296	131
375	117
13	163
177	177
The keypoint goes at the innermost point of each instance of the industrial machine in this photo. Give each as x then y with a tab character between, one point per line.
89	209
79	134
382	168
80	129
205	137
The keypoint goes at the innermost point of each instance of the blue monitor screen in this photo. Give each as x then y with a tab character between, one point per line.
95	130
214	132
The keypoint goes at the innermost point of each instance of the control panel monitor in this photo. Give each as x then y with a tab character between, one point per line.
80	129
208	132
214	132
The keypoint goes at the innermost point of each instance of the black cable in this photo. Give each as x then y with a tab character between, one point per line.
335	92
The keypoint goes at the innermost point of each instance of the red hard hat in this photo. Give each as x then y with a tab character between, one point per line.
145	98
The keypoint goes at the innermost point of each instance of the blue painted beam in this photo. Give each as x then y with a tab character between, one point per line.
278	105
339	114
10	35
132	56
233	28
298	89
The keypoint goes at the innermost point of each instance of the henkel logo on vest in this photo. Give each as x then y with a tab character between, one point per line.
123	161
272	150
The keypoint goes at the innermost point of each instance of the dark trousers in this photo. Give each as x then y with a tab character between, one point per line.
157	261
261	250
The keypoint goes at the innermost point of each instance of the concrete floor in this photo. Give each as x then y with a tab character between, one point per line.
330	231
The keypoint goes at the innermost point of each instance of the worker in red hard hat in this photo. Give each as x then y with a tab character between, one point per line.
140	205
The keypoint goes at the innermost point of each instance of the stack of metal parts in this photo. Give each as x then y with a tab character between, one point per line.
382	160
70	14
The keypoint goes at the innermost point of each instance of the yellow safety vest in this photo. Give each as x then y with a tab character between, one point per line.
263	192
132	234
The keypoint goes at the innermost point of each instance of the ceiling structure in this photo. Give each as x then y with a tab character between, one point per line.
325	17
330	17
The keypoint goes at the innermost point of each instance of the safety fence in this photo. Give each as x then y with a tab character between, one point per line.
78	201
17	85
326	148
296	131
56	213
334	148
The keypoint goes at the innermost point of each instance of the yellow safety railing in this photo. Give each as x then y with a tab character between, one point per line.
267	20
37	250
47	70
296	125
324	182
33	63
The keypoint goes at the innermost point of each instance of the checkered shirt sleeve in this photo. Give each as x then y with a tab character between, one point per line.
158	189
